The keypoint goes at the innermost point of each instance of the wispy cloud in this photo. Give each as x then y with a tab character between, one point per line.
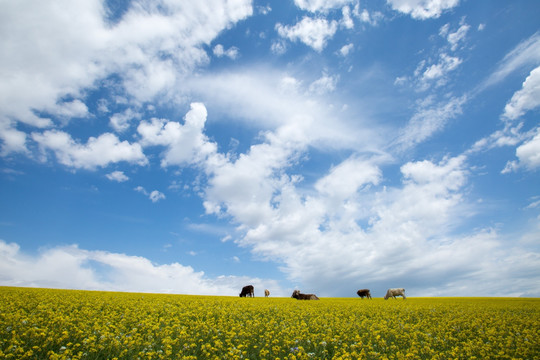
526	53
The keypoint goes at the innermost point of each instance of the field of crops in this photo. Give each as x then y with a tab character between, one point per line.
61	324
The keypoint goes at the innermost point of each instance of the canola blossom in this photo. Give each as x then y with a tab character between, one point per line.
68	324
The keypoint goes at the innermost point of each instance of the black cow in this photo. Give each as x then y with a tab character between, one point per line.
247	291
364	293
299	296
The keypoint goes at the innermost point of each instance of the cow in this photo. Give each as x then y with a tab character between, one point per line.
299	296
364	293
247	291
266	293
395	292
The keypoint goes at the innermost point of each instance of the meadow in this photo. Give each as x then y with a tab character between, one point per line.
68	324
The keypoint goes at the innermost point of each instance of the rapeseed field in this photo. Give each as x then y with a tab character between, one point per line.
64	324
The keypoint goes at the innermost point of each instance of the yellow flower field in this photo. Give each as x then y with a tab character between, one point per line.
64	324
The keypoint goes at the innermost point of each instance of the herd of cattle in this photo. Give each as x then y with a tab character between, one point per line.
249	291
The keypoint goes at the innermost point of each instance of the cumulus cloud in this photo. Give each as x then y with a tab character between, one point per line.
97	152
528	98
231	53
70	267
185	144
458	36
528	154
439	71
435	71
117	176
345	179
523	100
13	140
71	45
312	32
340	230
154	195
347	22
346	49
423	9
120	122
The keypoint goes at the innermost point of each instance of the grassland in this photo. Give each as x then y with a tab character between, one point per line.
62	324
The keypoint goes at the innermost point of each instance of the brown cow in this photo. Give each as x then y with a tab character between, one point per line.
299	296
266	293
364	293
247	291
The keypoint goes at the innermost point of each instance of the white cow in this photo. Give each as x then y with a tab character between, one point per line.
395	292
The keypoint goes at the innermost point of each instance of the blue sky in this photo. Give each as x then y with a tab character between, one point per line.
325	145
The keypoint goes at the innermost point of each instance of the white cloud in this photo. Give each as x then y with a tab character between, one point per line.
423	9
347	21
70	267
244	188
528	98
185	144
321	5
120	122
72	109
279	47
529	152
438	72
345	229
13	140
154	196
312	32
346	49
324	85
509	136
268	99
265	10
523	100
429	119
526	53
71	45
97	152
345	179
231	53
456	37
117	176
366	17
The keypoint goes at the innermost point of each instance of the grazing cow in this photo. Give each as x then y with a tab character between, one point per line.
364	293
299	296
266	293
247	291
395	292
